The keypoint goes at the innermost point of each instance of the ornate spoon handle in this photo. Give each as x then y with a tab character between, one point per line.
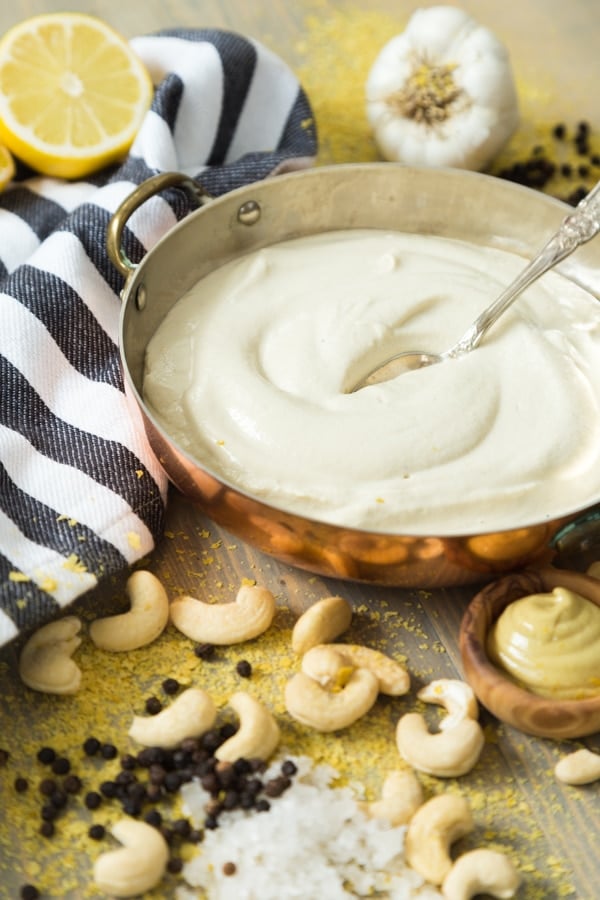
576	229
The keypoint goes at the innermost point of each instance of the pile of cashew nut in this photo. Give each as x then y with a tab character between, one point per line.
46	663
337	683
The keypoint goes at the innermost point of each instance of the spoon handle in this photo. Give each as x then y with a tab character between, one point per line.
576	229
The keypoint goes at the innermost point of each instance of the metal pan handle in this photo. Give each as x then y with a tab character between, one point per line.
144	191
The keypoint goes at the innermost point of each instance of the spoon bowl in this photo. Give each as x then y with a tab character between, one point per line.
575	229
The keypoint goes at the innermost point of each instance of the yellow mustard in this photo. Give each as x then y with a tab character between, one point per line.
550	644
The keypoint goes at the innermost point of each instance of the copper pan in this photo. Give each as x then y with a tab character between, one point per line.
466	205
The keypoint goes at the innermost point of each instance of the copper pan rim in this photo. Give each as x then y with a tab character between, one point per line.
320	199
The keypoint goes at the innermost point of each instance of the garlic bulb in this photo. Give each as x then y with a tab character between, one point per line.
442	93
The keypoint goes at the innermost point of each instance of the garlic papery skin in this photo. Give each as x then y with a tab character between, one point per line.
442	93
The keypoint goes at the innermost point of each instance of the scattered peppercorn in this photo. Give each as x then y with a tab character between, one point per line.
97	832
560	131
93	800
204	651
21	784
46	755
47	786
288	767
72	784
4	757
170	686
49	812
229	868
153	706
276	786
109	789
47	829
243	668
59	799
61	765
108	751
91	746
154	818
175	865
29	892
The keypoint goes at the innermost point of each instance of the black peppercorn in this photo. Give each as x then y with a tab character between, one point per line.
154	818
46	755
204	651
109	789
91	746
174	865
61	765
170	686
29	892
47	829
108	751
243	668
72	784
97	832
92	800
153	706
21	784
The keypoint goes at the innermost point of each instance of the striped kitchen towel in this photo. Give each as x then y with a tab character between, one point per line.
81	495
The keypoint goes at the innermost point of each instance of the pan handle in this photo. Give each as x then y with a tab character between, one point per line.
147	189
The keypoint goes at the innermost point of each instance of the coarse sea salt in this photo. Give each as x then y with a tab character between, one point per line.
315	843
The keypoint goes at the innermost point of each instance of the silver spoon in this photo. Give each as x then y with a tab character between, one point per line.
576	229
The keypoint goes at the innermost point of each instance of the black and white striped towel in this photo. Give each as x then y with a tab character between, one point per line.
81	495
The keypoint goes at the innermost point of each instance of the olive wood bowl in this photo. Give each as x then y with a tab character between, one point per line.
530	713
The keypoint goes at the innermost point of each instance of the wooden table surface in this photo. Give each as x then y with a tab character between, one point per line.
554	49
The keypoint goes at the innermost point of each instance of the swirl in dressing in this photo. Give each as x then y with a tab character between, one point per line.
249	374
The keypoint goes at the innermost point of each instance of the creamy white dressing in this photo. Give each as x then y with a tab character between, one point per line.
249	373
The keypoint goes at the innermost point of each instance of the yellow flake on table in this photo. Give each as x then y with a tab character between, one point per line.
49	584
18	576
134	540
74	564
379	500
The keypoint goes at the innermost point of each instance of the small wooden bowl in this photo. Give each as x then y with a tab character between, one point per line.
512	704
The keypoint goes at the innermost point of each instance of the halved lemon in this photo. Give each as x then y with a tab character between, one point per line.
72	93
7	167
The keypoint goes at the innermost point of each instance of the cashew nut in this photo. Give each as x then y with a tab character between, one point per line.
325	664
190	715
45	662
135	867
481	871
446	754
144	622
594	569
258	732
401	796
309	703
392	676
432	830
225	623
321	623
455	695
580	767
